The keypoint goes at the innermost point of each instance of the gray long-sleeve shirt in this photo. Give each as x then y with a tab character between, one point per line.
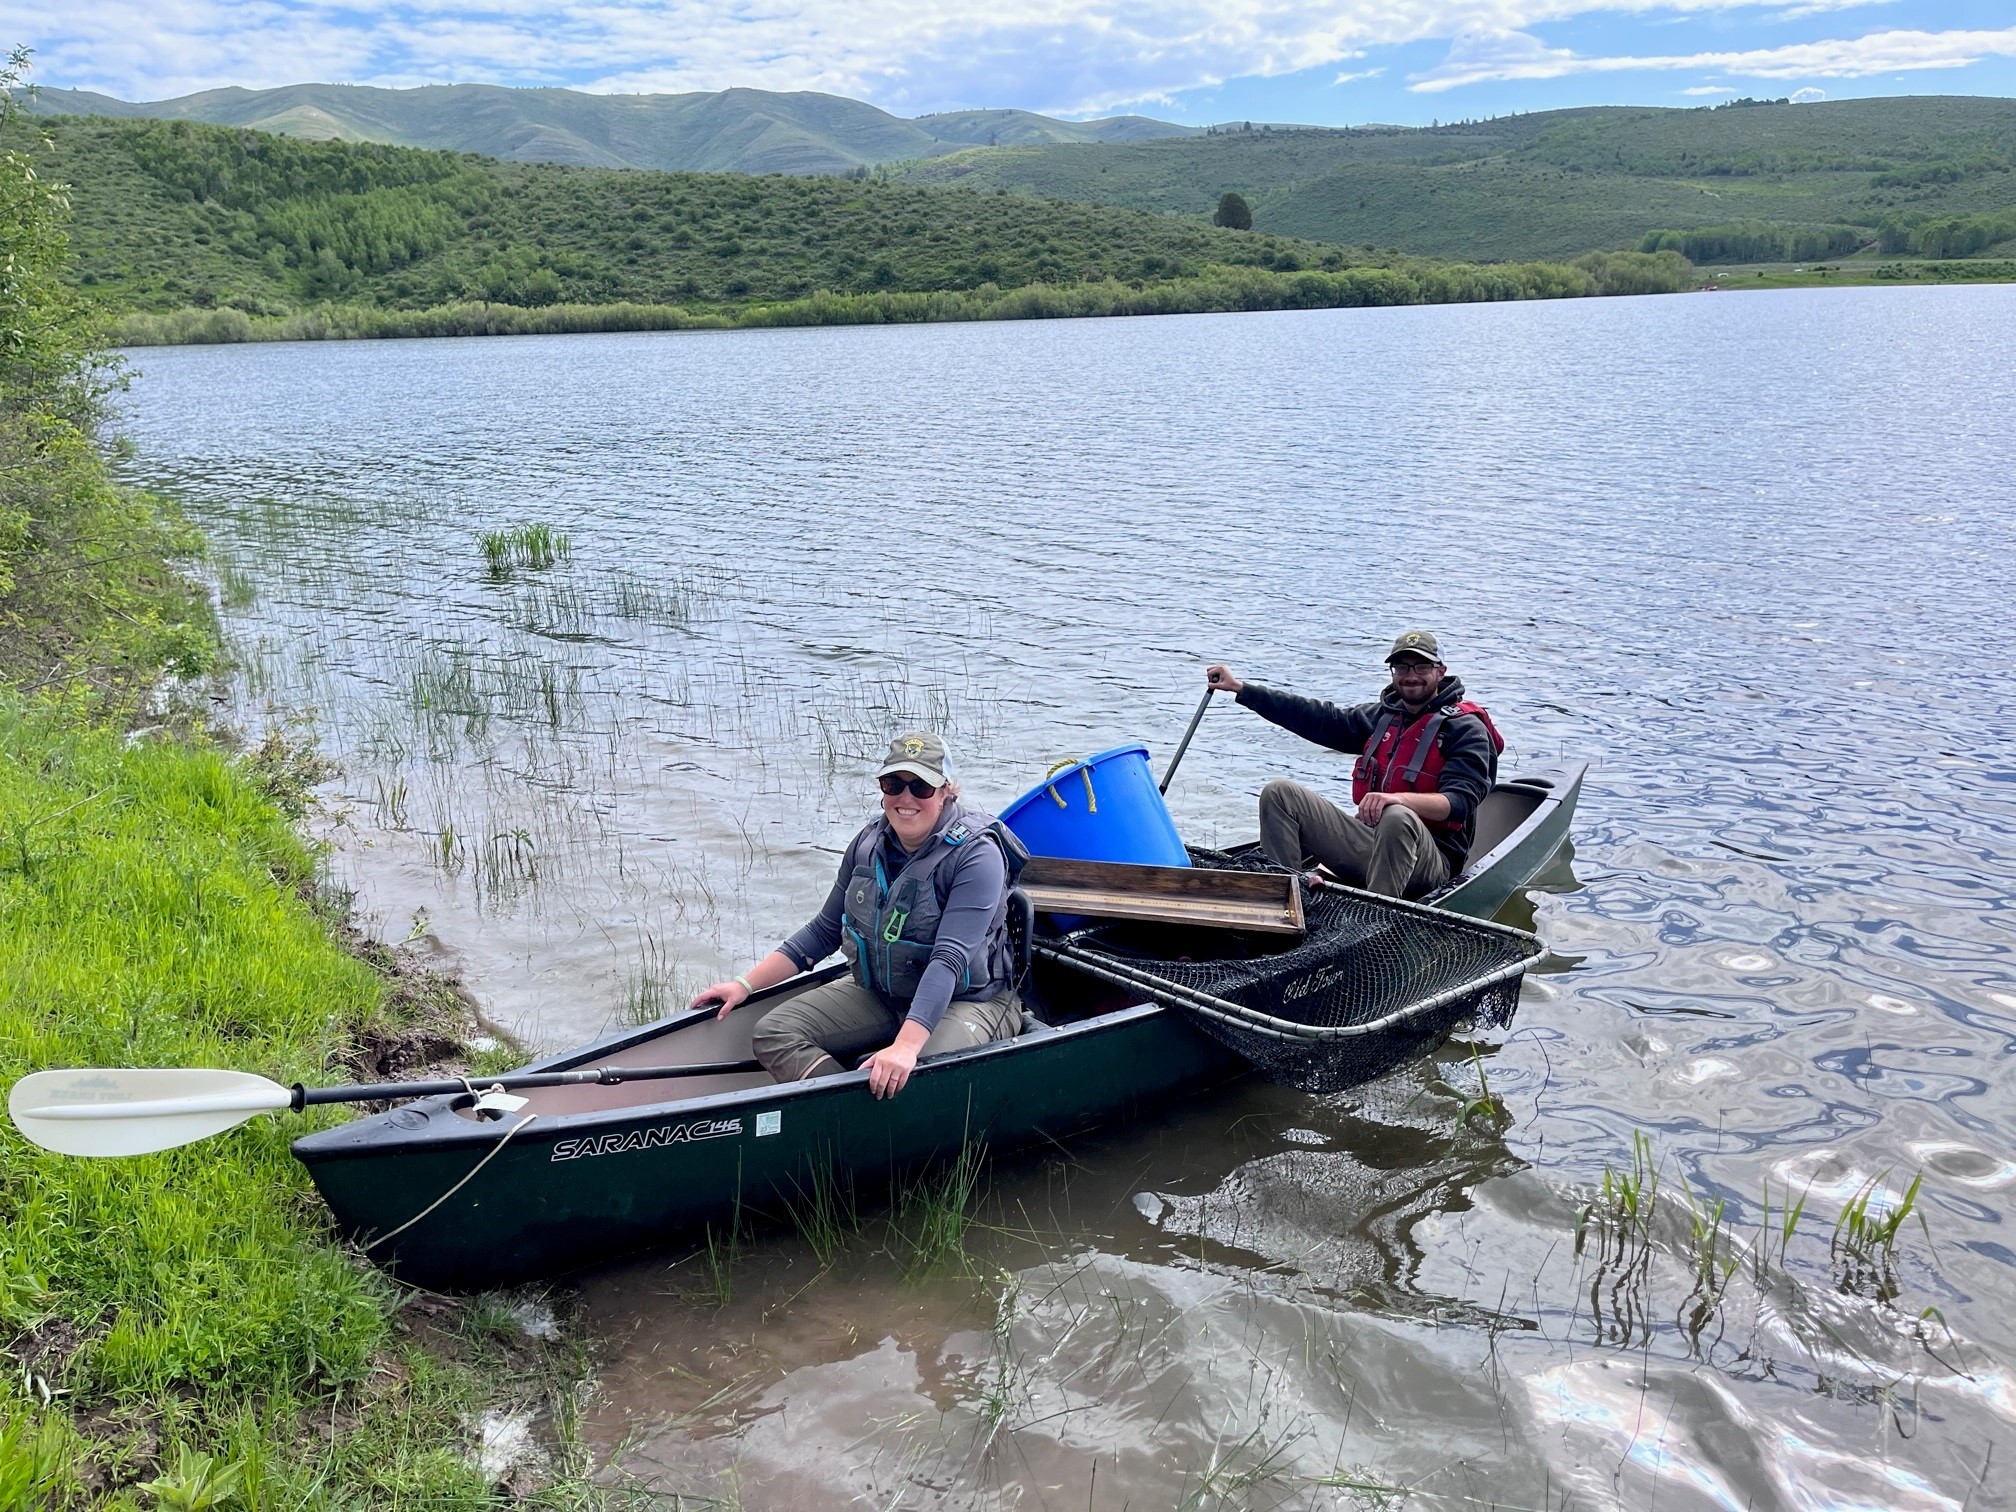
979	879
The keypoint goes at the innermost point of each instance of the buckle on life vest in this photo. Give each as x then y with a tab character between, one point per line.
893	930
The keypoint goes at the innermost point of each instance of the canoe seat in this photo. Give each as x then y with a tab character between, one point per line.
1032	1026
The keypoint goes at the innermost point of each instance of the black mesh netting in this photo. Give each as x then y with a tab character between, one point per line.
1373	982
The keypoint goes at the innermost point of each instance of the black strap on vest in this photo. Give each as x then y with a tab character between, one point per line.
1421	750
1370	758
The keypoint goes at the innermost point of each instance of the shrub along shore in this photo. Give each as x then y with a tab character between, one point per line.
182	1331
1218	290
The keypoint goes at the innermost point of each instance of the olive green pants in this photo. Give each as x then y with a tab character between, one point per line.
819	1029
1398	858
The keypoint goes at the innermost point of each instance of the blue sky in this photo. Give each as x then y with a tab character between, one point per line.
1319	61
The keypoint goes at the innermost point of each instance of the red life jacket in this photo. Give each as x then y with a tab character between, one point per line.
1409	760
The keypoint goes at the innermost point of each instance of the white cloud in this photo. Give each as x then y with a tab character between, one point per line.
1363	73
1708	89
1808	95
1824	8
1068	56
1477	57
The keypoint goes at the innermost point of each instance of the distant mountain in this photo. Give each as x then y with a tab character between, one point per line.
731	131
1548	184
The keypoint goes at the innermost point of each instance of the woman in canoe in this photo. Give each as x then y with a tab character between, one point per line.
920	909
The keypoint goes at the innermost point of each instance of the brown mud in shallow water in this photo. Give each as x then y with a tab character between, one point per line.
1103	1335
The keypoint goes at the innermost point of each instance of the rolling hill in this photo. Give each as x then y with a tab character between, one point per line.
731	131
1548	184
172	214
188	232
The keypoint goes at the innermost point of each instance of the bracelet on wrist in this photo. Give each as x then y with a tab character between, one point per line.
746	985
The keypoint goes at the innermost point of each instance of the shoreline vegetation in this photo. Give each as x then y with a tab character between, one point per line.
1220	290
181	1329
1593	275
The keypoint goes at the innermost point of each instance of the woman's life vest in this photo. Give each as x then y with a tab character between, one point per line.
1408	759
889	925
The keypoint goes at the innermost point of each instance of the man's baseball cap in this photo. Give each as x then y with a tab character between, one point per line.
1419	643
920	754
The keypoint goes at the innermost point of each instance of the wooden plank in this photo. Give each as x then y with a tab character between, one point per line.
1267	902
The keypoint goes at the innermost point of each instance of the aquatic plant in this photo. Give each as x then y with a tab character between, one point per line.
1714	1255
1864	1243
1486	1108
1619	1222
934	1212
649	993
824	1208
1236	1469
1007	1385
1762	1258
532	547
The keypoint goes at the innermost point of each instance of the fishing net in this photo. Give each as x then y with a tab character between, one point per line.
1373	982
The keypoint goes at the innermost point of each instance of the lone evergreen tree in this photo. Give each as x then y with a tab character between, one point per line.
1233	213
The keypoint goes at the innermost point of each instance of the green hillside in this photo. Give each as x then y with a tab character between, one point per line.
171	214
729	131
216	233
1551	184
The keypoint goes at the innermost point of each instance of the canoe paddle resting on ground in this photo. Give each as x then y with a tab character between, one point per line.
920	909
1427	757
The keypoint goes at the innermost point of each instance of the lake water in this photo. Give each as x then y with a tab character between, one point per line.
1752	558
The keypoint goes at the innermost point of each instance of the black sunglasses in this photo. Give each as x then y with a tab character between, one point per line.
891	785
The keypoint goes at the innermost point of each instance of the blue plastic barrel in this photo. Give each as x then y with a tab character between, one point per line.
1104	808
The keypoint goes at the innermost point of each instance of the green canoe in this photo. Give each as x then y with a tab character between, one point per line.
449	1200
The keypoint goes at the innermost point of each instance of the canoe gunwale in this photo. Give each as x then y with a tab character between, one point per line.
1555	811
330	1144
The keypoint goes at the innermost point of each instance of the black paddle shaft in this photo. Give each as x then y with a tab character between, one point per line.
601	1076
1184	744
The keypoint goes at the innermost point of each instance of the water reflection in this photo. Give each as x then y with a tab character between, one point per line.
1746	556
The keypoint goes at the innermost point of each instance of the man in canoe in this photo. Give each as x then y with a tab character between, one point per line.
1426	758
920	909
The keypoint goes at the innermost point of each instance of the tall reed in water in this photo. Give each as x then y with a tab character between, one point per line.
533	547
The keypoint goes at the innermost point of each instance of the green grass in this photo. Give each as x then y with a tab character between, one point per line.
153	912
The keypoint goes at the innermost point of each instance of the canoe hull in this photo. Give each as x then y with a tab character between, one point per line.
574	1189
568	1188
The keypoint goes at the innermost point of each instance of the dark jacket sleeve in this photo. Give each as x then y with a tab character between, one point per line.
1468	764
1325	723
978	881
819	939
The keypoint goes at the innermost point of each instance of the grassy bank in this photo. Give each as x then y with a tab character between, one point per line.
181	1330
1219	290
154	911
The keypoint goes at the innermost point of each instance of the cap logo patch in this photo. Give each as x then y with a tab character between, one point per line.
913	747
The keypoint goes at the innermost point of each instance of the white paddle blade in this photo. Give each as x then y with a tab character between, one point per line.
131	1112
